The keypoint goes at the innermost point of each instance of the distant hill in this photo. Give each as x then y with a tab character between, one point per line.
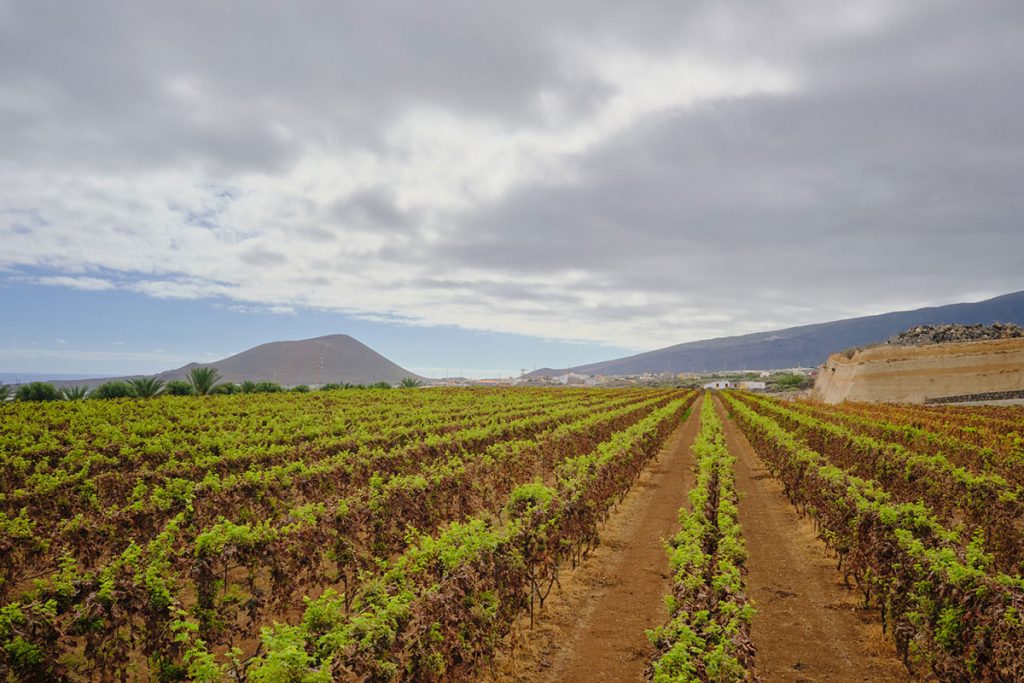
804	346
334	358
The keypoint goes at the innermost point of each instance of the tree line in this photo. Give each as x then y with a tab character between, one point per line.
201	382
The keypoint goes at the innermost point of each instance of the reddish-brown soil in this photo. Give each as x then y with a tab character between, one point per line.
809	626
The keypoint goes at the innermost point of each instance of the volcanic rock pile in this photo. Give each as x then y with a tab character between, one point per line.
941	334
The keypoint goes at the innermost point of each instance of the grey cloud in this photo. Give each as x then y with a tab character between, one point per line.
217	83
372	209
314	234
260	256
889	176
899	185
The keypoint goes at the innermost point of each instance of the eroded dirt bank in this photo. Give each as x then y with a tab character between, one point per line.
915	374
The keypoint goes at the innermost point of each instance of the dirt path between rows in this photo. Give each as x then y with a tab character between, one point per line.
593	629
808	626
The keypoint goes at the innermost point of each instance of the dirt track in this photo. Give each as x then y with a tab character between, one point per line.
809	627
594	629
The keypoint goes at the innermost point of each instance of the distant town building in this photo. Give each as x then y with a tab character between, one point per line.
750	385
719	384
574	378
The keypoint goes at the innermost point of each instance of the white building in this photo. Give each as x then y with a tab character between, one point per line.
753	386
719	384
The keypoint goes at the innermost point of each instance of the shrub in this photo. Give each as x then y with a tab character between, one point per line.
793	382
226	388
115	389
251	387
301	388
37	391
179	387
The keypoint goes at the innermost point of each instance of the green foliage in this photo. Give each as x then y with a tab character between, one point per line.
37	391
24	656
250	387
74	393
289	475
708	636
792	382
528	497
179	387
380	385
227	388
942	601
203	379
287	660
301	389
5	392
146	387
410	383
268	387
113	389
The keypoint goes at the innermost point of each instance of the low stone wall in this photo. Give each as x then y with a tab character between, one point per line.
974	398
920	374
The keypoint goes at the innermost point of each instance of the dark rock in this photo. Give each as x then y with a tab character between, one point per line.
942	334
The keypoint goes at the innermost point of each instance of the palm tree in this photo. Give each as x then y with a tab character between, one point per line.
410	383
203	379
146	387
75	393
5	392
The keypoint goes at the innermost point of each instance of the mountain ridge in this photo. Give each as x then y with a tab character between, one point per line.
800	346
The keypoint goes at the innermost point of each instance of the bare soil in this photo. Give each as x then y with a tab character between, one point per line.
809	626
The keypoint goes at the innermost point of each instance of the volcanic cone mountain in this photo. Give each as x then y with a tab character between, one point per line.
334	358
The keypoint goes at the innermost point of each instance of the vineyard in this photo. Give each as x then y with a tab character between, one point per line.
708	637
369	534
406	535
922	509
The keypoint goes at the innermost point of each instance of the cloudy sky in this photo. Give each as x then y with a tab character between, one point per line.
479	187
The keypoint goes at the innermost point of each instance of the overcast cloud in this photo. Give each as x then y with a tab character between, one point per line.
638	174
